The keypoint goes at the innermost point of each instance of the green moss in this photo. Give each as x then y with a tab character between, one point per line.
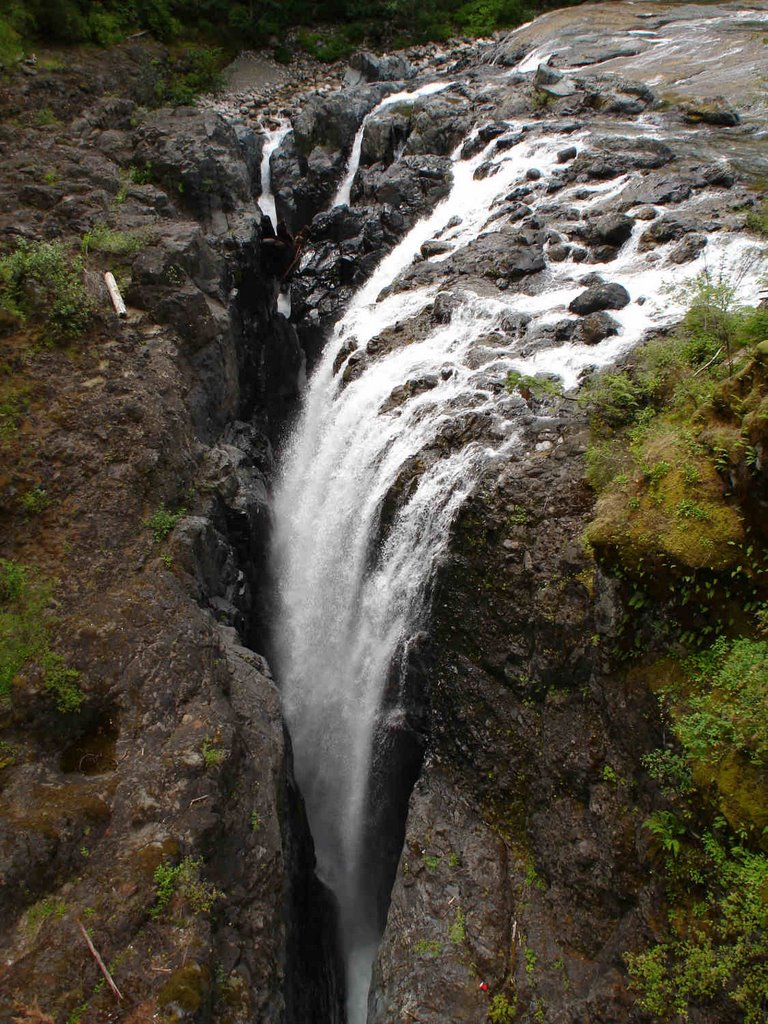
48	908
25	637
429	948
186	988
102	238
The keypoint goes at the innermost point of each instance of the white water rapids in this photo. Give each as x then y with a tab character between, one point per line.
349	600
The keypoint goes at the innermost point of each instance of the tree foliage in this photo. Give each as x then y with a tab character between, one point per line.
255	22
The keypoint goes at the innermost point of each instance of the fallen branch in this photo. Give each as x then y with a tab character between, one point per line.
102	967
114	294
714	357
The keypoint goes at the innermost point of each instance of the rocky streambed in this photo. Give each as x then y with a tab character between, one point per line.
584	165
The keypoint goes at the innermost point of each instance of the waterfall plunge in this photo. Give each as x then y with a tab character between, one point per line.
347	604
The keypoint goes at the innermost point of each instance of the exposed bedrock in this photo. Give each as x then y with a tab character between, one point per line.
177	758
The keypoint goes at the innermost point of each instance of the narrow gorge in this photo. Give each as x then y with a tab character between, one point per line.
378	557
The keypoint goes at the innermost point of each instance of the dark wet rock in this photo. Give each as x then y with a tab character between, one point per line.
507	256
434	247
558	252
385	136
655	190
515	324
413	185
609	157
486	134
599	297
403	392
594	328
612	229
332	120
438	123
564	155
720	175
546	75
667	229
719	114
444	307
688	248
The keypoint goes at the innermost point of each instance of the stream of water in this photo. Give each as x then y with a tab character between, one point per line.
348	603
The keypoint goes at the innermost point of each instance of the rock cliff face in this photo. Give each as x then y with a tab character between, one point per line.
177	757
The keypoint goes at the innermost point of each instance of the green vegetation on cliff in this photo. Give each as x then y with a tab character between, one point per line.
25	643
41	286
677	460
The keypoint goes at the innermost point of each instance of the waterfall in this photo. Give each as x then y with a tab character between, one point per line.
273	138
349	599
344	192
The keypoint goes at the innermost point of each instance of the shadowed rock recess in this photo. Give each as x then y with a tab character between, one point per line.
517	210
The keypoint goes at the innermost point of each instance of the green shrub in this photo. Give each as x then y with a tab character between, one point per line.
183	882
728	708
102	238
35	501
62	683
197	72
720	942
163	520
11	49
482	17
757	220
14	402
212	755
501	1010
42	284
538	387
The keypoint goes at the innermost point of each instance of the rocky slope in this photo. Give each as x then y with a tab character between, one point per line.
176	754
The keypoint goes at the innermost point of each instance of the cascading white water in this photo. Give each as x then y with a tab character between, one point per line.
344	192
345	608
272	141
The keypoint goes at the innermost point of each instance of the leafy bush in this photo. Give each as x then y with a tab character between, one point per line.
41	283
501	1010
11	49
163	520
723	948
197	71
183	882
728	708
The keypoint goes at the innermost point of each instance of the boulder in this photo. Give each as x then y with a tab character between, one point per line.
612	229
196	156
599	297
688	248
594	328
666	229
365	66
435	247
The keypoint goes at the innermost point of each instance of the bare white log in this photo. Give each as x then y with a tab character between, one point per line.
114	294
